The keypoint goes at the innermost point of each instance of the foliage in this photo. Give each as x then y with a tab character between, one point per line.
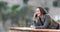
3	7
14	10
25	11
3	4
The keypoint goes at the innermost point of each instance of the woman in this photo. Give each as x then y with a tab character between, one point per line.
42	20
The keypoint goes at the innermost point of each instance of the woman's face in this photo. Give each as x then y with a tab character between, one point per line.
38	12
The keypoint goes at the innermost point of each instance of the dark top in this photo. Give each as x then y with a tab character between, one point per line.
44	24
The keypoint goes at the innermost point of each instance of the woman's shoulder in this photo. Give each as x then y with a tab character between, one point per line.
47	16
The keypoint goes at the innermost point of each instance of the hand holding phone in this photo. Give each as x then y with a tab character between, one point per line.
35	16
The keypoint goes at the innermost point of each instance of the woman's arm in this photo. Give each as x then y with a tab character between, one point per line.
46	23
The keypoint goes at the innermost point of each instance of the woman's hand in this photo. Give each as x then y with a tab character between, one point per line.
33	27
34	17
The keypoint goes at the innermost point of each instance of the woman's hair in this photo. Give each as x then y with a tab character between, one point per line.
47	9
42	10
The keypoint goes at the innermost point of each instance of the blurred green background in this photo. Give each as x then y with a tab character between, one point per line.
17	15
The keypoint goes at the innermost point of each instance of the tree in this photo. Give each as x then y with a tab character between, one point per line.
25	11
3	5
3	12
15	15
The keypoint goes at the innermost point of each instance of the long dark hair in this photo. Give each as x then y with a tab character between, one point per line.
42	10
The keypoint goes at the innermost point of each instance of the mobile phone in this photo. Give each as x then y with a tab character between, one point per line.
36	15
